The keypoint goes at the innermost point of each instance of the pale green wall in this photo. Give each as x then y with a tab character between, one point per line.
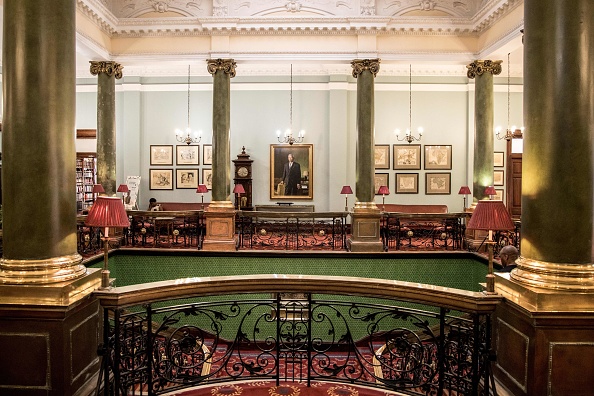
150	109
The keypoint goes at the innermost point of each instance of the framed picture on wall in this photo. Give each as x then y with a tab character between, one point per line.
437	183
381	156
499	195
407	156
498	178
187	155
438	157
186	178
207	178
161	154
407	183
380	179
161	179
291	171
498	159
207	154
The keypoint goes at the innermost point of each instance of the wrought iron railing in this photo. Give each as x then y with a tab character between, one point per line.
422	231
394	335
292	230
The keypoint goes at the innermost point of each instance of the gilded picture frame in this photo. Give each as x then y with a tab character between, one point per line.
187	155
207	178
161	179
284	181
407	156
380	179
438	183
438	157
161	154
207	154
498	177
499	159
186	178
381	156
407	183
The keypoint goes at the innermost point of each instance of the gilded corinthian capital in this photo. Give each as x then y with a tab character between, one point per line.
226	65
478	67
360	65
108	67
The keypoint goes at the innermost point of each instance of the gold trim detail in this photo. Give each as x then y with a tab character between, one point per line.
366	207
556	276
360	65
478	67
226	65
108	67
50	270
220	205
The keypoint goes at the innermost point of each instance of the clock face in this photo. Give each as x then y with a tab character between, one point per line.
242	172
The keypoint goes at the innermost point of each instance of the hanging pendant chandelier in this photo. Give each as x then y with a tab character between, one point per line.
188	137
509	132
408	136
288	136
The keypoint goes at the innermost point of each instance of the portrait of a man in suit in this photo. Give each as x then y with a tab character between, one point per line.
292	176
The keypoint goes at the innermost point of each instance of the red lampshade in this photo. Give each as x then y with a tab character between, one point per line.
123	188
346	190
490	215
201	189
107	212
98	188
490	190
464	190
238	189
384	190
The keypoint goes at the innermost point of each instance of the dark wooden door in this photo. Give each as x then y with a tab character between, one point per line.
514	182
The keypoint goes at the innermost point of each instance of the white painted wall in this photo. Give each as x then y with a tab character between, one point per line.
150	109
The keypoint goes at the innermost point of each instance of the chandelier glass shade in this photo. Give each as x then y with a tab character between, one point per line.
188	136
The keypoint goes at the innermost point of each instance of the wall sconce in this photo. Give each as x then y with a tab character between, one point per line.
106	213
464	190
346	190
384	190
490	216
201	190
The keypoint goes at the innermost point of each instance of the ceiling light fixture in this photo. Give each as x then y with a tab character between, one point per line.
408	136
288	135
190	137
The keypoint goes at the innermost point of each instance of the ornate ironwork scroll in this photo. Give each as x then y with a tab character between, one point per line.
360	65
108	67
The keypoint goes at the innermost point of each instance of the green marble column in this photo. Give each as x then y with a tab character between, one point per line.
365	70
482	71
39	159
365	224
222	71
557	190
107	73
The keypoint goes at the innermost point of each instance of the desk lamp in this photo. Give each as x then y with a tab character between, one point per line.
346	190
238	189
123	188
490	216
97	189
384	191
201	190
105	213
464	190
490	191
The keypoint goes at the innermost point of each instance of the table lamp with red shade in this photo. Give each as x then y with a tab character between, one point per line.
201	190
384	190
346	190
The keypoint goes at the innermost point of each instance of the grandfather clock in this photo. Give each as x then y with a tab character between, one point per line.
243	176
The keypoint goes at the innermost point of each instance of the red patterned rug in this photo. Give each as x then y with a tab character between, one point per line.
269	388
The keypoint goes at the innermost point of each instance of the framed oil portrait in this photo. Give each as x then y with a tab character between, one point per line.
438	157
161	179
407	156
186	178
207	178
291	171
498	195
407	183
161	154
381	156
207	154
437	183
498	178
498	159
187	155
380	179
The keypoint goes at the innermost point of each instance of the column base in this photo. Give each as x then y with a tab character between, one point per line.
556	276
37	272
365	234
55	330
543	339
220	227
